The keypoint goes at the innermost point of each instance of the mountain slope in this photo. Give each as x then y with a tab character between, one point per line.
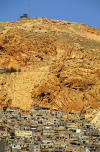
61	60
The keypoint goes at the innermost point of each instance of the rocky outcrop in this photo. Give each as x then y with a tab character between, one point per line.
68	89
60	60
46	92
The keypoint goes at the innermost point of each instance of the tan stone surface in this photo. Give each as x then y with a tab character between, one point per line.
61	61
19	86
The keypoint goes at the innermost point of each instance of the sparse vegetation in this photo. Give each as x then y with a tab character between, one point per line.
19	70
13	70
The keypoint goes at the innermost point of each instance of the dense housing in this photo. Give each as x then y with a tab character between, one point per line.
43	130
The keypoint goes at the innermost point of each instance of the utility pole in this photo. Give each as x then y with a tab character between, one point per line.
29	9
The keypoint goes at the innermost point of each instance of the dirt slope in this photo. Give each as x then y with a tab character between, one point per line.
61	62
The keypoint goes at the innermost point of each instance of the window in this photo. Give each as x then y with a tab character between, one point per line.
45	133
87	138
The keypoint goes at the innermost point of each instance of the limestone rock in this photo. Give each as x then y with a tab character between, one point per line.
59	62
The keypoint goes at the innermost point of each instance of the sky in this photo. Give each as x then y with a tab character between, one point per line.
81	11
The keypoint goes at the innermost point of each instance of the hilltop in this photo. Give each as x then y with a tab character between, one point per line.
59	62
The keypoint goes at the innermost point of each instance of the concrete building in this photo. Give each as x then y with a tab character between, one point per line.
2	147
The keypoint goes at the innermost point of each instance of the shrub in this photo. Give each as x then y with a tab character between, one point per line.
8	70
19	70
13	70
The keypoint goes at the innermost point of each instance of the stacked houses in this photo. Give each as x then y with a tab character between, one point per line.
42	130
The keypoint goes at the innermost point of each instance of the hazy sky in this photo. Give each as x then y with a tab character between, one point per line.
82	11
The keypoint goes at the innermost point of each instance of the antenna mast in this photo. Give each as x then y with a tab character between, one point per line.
29	9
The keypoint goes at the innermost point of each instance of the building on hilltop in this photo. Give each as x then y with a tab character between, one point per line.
24	16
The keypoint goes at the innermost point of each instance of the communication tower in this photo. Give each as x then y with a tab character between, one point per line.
29	9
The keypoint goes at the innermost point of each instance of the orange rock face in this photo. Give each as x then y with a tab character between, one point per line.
64	60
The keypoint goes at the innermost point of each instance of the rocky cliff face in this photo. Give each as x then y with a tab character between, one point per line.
61	62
